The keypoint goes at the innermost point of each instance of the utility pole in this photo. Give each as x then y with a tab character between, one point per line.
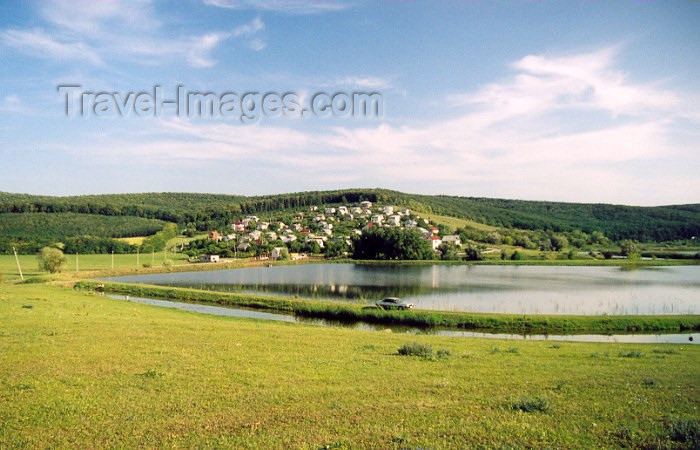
137	258
18	266
153	258
112	259
76	261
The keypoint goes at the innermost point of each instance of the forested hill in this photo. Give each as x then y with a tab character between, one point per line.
659	223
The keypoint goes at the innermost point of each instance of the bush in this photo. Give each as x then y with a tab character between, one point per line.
444	353
416	349
630	354
473	254
167	263
516	256
530	404
51	259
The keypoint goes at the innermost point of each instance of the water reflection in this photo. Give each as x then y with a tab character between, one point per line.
488	289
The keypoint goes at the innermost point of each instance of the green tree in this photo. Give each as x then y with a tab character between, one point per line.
629	249
51	259
392	243
448	252
473	254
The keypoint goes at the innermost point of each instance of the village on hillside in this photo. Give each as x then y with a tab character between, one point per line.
318	230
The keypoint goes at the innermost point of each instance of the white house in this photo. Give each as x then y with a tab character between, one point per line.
243	247
388	210
276	252
452	239
263	226
238	226
288	238
394	220
435	240
329	210
366	204
311	238
342	210
209	258
377	218
406	212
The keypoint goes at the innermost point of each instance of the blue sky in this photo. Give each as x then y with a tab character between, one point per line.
590	101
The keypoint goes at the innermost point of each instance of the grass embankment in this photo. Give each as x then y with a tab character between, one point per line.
84	371
347	312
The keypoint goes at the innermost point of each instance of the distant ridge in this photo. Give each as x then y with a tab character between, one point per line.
658	223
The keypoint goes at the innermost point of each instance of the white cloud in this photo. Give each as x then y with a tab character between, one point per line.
99	32
297	7
38	42
249	29
365	82
252	30
13	104
588	81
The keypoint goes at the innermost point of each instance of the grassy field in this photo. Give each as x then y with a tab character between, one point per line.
29	265
80	370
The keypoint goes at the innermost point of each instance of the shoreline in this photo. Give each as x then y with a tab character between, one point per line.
518	323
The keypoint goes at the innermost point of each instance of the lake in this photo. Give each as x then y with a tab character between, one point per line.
488	289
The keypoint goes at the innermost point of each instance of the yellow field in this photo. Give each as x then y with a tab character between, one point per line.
454	222
138	240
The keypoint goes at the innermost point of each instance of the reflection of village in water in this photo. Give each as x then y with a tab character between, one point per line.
488	289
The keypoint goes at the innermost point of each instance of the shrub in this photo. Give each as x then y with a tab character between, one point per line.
665	351
530	404
146	265
516	256
51	259
167	263
444	353
416	349
473	254
630	354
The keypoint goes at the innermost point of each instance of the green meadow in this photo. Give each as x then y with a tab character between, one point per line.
82	370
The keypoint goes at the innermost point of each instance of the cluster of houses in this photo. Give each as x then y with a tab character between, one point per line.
321	225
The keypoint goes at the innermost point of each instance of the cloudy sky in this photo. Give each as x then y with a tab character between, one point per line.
587	101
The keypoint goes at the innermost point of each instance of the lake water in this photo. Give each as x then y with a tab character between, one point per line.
675	338
490	289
